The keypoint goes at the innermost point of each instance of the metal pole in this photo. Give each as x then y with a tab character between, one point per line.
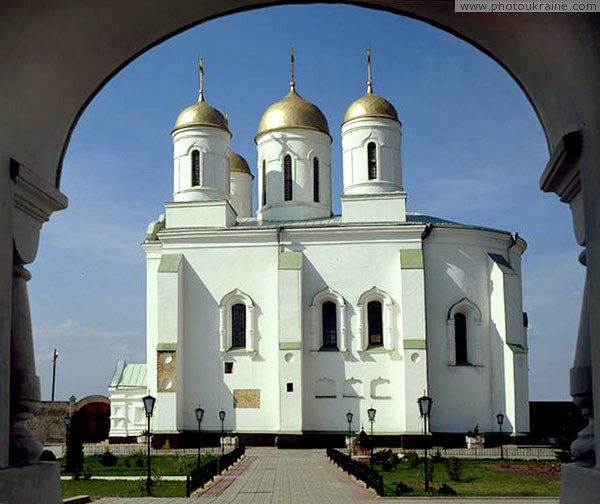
148	477
350	438
222	434
198	463
54	357
501	447
426	461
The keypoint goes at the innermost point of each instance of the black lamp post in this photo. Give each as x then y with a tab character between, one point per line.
371	414
425	403
349	417
149	408
500	420
199	416
67	421
222	418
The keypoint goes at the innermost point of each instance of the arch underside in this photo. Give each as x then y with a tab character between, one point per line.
552	57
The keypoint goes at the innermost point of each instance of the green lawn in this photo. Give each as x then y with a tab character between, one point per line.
481	478
135	465
131	465
98	488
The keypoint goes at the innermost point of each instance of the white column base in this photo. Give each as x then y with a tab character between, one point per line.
31	484
579	484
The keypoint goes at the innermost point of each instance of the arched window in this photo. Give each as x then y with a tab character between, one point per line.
372	160
287	178
376	326
195	168
328	329
238	326
460	338
463	344
236	322
316	180
264	183
329	321
375	323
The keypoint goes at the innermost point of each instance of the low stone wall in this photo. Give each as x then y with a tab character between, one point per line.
48	424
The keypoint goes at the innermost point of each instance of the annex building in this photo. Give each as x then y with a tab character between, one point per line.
290	317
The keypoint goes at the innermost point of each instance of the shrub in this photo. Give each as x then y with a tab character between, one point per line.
412	458
140	461
108	459
454	466
381	456
127	463
390	462
403	488
437	456
430	470
446	489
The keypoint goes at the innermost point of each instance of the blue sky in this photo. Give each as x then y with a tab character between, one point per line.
473	151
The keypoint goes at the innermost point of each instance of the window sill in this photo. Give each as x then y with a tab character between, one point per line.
468	365
325	397
376	349
238	351
328	349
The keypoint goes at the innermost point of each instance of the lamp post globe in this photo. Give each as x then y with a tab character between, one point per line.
149	402
371	412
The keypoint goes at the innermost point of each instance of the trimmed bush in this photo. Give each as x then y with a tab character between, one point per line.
108	459
402	488
454	466
446	489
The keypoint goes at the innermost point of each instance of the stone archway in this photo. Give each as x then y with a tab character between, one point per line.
57	56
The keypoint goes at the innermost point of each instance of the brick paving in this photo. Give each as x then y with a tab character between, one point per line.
270	476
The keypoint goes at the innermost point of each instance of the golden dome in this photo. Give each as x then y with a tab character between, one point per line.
238	164
201	114
371	105
293	111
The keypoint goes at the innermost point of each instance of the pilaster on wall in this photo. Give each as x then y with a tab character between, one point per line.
510	382
413	343
169	350
290	341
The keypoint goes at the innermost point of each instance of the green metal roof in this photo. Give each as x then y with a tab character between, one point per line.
133	375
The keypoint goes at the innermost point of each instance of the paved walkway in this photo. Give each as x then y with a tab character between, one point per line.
270	476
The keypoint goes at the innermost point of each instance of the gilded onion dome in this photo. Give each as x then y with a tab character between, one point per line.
293	111
371	105
201	113
238	164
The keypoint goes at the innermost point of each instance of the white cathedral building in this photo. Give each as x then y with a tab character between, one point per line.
289	318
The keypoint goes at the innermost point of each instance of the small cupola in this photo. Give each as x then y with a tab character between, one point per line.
372	163
241	185
294	159
201	146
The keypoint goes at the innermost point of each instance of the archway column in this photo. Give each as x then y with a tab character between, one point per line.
29	201
568	176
